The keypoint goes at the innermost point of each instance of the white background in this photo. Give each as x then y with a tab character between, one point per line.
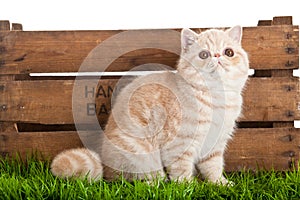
138	14
132	14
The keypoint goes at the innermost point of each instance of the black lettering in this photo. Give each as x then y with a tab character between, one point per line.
87	92
91	109
103	110
101	92
110	90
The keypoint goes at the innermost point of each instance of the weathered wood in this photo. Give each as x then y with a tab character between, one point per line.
64	51
50	101
267	148
8	127
5	128
281	73
270	99
249	149
298	102
282	20
273	73
16	27
7	77
283	124
47	143
4	25
264	23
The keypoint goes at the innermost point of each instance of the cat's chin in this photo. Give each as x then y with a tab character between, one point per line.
212	71
214	67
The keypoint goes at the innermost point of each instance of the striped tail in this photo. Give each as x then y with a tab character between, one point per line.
77	163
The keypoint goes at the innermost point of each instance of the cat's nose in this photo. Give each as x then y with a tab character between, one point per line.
217	55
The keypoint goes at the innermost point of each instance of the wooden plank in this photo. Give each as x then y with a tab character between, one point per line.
8	127
282	20
33	101
264	23
47	143
16	27
50	101
267	148
4	25
250	148
64	51
270	99
298	102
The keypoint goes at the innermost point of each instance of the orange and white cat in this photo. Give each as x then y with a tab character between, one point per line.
171	124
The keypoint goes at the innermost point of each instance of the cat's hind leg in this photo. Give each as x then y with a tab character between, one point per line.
133	158
179	168
211	168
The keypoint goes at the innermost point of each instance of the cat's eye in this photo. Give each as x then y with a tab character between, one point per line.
229	52
204	54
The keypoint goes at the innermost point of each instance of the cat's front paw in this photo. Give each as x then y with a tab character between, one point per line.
225	182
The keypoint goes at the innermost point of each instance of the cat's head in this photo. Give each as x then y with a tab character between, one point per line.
215	51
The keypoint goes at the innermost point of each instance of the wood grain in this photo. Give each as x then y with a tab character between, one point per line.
250	148
23	52
267	148
50	101
47	143
282	20
4	25
271	99
16	27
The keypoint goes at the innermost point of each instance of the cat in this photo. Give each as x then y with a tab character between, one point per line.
172	125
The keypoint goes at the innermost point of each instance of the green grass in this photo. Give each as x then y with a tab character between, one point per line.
35	181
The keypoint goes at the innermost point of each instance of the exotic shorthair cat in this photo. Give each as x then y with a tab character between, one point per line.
171	125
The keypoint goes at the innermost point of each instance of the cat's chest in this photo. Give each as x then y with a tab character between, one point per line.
219	106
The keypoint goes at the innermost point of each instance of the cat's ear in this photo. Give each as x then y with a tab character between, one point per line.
235	33
188	37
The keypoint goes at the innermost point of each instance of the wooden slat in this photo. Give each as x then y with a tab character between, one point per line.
4	25
50	102
283	20
264	23
270	99
64	51
33	101
250	148
298	102
8	127
280	20
47	143
16	27
267	148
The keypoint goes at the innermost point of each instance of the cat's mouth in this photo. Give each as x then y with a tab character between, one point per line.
220	64
215	68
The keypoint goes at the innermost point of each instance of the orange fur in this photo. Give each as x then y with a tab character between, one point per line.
80	163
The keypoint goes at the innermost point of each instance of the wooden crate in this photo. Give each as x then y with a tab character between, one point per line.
36	112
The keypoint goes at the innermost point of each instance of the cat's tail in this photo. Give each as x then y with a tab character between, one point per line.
77	163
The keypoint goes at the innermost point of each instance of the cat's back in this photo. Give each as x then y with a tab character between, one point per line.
162	92
156	87
150	104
